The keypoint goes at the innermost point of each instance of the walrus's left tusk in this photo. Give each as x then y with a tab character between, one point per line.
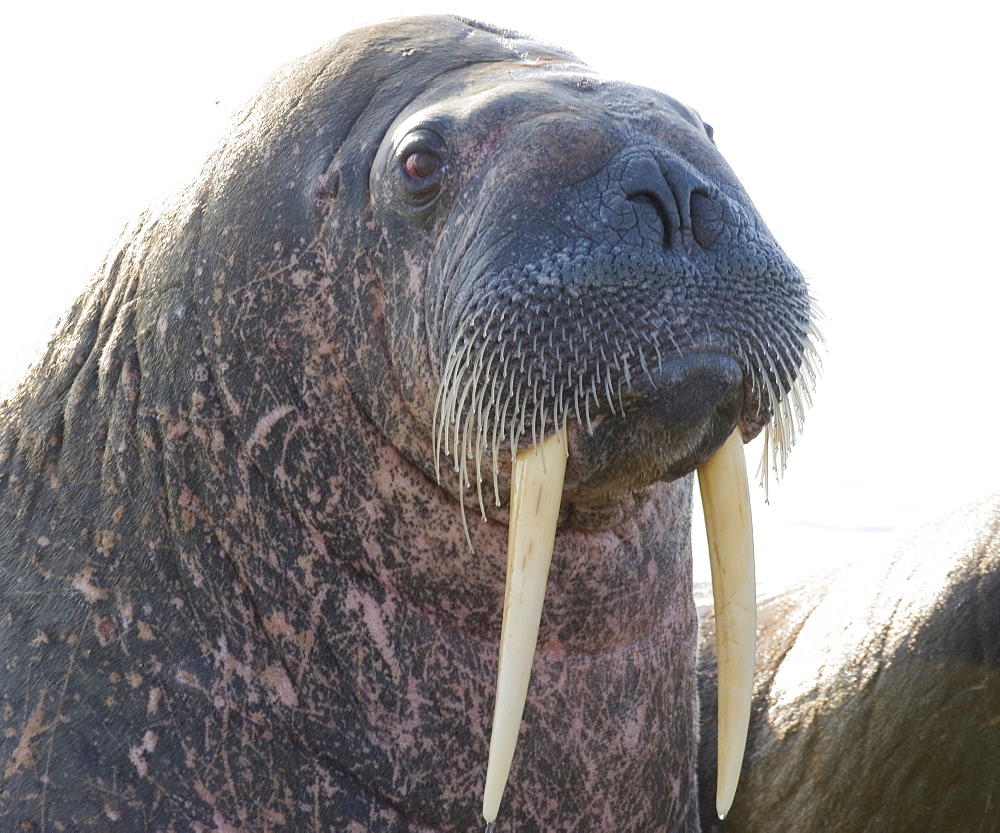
726	501
535	494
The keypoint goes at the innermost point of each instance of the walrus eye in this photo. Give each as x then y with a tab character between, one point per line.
420	165
421	158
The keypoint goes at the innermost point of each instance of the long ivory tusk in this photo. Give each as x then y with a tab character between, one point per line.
726	501
535	495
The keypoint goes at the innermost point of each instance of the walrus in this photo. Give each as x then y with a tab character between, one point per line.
877	692
256	493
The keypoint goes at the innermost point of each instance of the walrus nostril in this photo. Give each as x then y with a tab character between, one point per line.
655	205
644	184
708	218
681	201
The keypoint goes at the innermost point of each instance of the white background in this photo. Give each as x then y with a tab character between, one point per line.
865	132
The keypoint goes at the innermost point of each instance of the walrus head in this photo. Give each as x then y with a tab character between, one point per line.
503	247
589	261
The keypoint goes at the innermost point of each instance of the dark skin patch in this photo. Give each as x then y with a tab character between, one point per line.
234	595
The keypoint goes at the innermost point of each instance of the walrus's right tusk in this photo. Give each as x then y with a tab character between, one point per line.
726	501
535	494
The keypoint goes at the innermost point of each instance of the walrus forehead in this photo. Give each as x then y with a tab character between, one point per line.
495	98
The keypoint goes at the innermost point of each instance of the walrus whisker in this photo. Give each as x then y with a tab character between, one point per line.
458	362
586	406
438	420
782	338
466	448
679	350
762	467
517	423
781	432
479	374
479	457
534	414
498	434
804	379
628	375
798	414
459	409
811	363
659	355
772	441
645	365
607	389
540	447
597	399
814	339
576	404
465	520
783	379
453	439
779	425
616	358
444	415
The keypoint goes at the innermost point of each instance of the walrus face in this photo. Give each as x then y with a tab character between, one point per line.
588	260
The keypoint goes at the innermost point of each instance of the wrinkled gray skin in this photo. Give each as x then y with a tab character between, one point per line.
877	702
234	595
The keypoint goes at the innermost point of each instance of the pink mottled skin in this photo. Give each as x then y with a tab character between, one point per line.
235	596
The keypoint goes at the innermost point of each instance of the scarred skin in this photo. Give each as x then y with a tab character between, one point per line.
235	597
877	701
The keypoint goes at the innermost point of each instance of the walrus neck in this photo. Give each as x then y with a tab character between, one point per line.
608	588
367	509
387	588
350	565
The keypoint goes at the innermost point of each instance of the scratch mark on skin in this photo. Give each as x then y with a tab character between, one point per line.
70	671
90	591
155	696
221	825
266	423
136	754
277	680
24	756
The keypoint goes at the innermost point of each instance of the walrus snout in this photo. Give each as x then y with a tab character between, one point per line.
672	422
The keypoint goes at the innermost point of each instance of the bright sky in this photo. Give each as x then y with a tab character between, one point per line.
866	133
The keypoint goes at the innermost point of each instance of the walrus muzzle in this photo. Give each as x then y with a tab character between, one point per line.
668	423
536	489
